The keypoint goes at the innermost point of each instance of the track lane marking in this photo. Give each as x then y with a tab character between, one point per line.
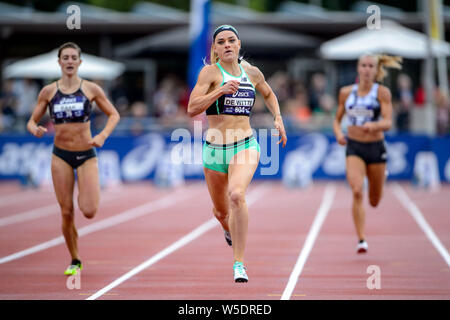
43	211
252	196
40	212
29	215
415	212
124	216
327	200
27	195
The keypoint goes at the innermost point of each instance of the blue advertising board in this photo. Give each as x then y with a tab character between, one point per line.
306	156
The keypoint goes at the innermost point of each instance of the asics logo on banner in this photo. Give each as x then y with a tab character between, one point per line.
241	94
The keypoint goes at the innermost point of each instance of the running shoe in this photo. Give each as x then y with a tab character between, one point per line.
73	269
362	247
228	237
239	271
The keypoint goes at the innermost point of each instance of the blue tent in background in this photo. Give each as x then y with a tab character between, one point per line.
199	38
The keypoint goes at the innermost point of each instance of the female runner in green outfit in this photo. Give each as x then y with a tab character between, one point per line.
225	89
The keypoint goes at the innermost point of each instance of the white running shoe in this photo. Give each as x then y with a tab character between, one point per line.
362	247
239	271
228	237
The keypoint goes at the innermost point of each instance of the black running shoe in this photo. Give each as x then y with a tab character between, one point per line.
228	237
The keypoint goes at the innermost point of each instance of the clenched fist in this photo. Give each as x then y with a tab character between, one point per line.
38	131
230	87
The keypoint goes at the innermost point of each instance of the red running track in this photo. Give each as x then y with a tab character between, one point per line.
139	224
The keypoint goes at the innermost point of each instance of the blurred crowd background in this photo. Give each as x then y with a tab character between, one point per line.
153	93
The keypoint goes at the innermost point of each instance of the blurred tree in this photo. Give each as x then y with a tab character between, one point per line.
259	5
228	1
123	5
126	5
178	4
334	5
346	5
42	5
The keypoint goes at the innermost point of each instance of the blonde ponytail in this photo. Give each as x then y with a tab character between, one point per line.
384	61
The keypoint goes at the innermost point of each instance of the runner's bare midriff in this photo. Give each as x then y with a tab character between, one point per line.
73	136
225	129
357	133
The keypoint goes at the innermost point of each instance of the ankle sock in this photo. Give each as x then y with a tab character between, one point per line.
75	262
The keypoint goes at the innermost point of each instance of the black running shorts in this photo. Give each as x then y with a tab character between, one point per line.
74	158
369	152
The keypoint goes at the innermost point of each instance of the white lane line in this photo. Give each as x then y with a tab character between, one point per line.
421	221
40	212
22	197
251	198
325	206
29	215
127	215
6	198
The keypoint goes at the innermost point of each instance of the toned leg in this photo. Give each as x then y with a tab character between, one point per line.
356	170
376	178
63	182
217	183
88	187
240	173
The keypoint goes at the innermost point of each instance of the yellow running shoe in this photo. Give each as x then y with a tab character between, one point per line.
73	269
